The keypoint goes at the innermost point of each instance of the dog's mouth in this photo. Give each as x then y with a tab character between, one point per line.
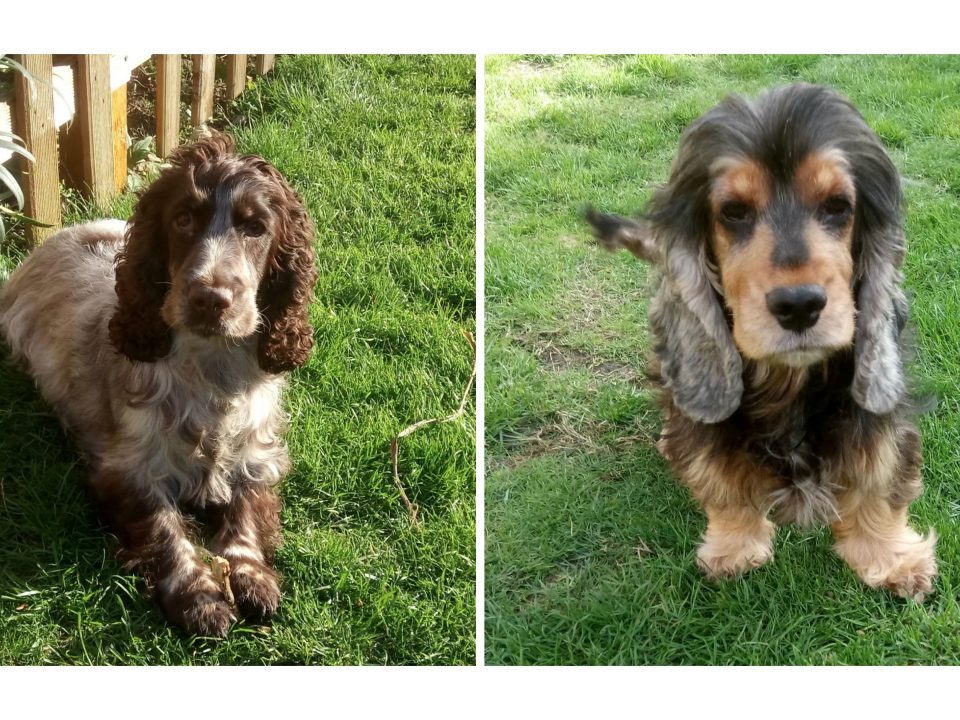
800	350
236	323
800	358
761	337
208	329
219	328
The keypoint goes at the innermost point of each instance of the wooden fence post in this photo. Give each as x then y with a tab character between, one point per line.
236	75
95	124
33	120
119	103
264	63
204	69
168	103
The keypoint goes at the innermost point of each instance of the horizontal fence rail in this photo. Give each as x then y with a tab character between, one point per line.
73	118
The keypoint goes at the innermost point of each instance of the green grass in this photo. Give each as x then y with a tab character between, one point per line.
590	541
382	149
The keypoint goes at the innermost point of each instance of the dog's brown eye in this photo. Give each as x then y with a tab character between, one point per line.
735	211
255	228
183	220
835	206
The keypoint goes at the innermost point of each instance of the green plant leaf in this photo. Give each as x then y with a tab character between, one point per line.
20	217
7	179
141	150
8	134
7	61
18	149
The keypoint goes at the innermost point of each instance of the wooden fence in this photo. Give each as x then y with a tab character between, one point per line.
89	140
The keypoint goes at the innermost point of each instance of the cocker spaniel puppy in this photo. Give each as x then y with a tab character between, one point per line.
163	345
778	321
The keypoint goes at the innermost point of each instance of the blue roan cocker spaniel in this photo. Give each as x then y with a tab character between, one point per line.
778	321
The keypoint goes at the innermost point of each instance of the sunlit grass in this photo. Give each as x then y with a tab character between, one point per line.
590	541
382	151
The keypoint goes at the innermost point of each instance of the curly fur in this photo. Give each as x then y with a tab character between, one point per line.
162	345
137	328
285	294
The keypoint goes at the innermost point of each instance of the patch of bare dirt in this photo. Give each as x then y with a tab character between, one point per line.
558	357
560	435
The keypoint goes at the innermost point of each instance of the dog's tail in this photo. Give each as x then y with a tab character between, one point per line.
614	232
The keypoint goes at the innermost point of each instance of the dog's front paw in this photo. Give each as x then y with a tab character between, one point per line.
913	579
210	617
906	567
725	564
199	612
256	589
725	554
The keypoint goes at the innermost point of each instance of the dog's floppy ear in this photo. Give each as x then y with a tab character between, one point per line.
136	329
699	362
287	287
879	249
142	280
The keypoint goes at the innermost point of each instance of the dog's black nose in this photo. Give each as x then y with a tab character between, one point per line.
797	307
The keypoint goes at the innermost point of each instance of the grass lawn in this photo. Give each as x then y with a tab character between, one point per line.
590	541
382	149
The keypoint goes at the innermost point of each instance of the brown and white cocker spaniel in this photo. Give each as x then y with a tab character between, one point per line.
162	344
778	320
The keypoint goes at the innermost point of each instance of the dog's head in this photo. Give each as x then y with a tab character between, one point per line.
780	240
218	246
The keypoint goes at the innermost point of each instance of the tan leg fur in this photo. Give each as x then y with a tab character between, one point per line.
736	540
876	541
873	535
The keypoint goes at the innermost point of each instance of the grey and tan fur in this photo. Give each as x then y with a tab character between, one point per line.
778	318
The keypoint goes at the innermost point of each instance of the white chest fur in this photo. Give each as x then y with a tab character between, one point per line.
199	422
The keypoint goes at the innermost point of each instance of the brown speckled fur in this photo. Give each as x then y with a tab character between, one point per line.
176	401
